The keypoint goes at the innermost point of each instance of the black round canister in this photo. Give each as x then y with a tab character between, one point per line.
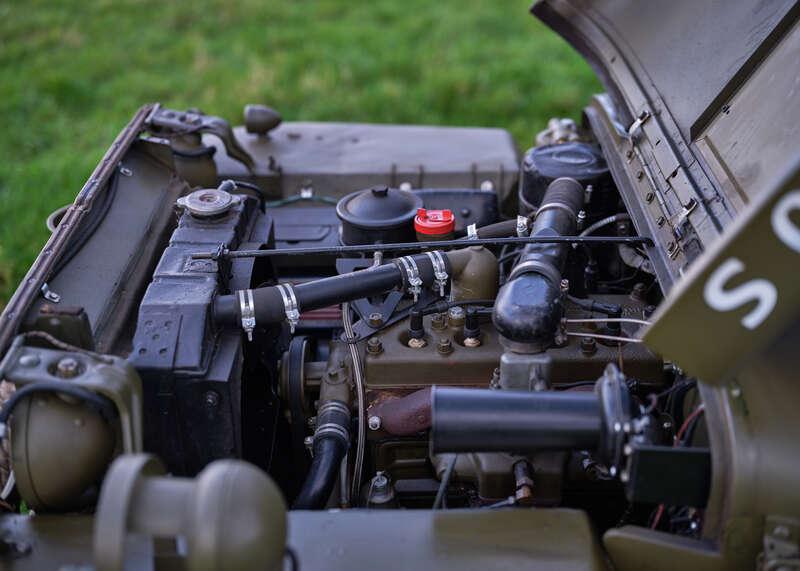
581	161
378	215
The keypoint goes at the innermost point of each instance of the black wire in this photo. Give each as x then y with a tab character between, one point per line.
439	501
100	403
566	386
79	240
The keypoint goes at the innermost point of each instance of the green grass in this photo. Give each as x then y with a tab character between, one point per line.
73	72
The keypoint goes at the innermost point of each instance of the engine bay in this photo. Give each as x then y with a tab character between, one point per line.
329	340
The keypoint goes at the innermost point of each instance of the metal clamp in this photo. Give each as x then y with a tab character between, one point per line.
412	276
522	226
247	309
290	305
472	232
557	206
439	270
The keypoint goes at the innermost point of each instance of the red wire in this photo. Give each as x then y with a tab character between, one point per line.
686	423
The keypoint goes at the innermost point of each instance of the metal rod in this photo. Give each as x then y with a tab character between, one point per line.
410	246
606	337
607	320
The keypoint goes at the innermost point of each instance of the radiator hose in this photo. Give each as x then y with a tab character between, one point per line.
331	441
529	305
270	306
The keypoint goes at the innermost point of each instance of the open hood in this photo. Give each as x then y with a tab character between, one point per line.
702	109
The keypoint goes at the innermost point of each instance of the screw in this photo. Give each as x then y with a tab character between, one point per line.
308	441
445	347
374	346
68	367
374	422
29	360
671	247
380	483
661	221
628	154
588	346
439	321
564	286
211	398
649	196
639	175
375	320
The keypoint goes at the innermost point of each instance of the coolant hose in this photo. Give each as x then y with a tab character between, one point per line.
269	301
529	306
331	440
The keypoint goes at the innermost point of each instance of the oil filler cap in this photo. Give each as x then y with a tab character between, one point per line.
434	224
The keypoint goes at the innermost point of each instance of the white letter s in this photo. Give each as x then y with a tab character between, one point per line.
759	290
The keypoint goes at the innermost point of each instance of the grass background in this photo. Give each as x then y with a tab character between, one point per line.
72	72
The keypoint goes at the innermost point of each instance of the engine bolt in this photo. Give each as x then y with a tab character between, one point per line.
456	315
444	346
588	346
374	422
439	321
211	399
374	346
375	320
68	367
649	196
417	343
564	286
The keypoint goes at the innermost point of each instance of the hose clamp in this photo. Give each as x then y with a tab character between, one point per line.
247	309
472	232
522	226
439	270
290	305
412	276
556	206
333	429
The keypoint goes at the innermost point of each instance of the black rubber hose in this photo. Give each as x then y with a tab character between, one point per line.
529	305
482	420
269	306
331	441
328	455
504	229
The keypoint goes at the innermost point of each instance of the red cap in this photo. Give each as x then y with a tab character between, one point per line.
434	222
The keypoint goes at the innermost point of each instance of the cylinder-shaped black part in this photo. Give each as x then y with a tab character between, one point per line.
581	161
528	307
269	306
481	420
378	215
322	476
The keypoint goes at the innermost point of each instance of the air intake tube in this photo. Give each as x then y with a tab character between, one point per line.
528	307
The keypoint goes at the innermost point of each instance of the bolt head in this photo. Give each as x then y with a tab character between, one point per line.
588	346
68	367
374	422
444	346
375	319
374	346
211	399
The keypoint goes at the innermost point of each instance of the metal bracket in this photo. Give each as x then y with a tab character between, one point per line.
472	232
637	124
247	309
49	294
290	305
439	270
412	276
